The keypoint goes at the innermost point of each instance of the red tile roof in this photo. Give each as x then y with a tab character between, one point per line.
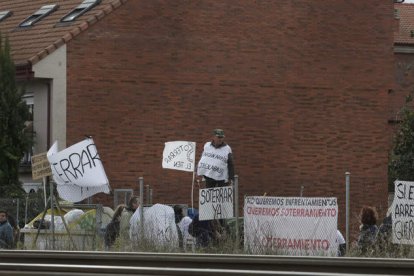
405	33
29	45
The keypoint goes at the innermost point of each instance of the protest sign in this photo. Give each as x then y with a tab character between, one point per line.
403	213
179	155
78	171
40	166
290	225
216	203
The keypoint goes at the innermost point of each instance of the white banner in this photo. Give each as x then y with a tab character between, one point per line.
216	203
78	171
403	213
179	155
290	225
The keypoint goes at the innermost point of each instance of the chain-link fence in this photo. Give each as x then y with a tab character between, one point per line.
68	227
22	210
218	236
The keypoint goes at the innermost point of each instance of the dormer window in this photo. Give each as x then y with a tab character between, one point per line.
4	15
79	10
38	15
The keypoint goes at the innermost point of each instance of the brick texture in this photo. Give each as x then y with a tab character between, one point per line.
300	87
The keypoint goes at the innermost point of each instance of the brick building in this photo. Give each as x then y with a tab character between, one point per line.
300	87
404	58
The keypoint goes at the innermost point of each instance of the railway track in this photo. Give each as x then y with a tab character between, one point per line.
64	263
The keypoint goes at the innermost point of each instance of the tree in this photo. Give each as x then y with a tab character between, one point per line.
401	161
13	115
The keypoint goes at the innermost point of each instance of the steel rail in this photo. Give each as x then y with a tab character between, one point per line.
108	263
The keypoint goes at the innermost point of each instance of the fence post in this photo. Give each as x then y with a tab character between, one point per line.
347	188
18	212
141	200
98	221
148	194
25	209
52	223
236	208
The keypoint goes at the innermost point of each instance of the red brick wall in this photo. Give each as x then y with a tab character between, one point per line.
300	87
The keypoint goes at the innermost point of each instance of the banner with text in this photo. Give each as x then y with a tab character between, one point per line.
78	171
403	213
216	203
179	155
290	225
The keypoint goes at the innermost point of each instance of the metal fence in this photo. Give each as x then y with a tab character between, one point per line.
25	209
212	225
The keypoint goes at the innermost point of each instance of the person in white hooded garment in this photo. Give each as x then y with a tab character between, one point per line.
158	228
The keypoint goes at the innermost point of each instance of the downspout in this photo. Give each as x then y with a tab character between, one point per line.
49	96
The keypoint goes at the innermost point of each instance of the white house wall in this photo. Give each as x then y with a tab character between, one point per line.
53	68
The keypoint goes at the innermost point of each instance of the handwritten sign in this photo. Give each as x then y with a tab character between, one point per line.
216	203
78	171
179	155
403	213
40	166
290	225
79	165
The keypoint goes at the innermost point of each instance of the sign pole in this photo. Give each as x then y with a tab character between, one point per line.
192	193
347	202
44	190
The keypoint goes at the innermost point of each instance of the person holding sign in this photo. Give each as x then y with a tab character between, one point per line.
216	163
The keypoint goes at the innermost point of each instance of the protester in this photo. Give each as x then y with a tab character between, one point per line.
157	232
126	215
368	230
202	231
386	248
216	163
6	231
341	244
182	222
113	228
16	229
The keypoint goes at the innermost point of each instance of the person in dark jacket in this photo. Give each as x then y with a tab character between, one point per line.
112	229
368	230
202	231
6	231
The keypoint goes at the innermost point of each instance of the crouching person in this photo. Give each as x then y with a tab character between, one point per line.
112	230
158	231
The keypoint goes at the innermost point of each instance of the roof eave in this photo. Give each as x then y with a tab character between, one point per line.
76	31
404	48
24	72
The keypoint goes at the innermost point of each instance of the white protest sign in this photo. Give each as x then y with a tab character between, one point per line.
179	155
74	193
78	171
403	213
290	225
216	203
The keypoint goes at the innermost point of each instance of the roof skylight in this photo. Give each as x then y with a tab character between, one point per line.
38	15
4	14
79	10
